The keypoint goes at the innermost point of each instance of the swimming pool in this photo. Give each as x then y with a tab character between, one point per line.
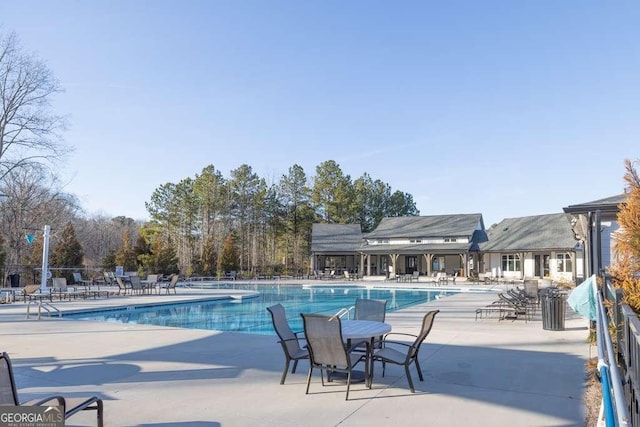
251	316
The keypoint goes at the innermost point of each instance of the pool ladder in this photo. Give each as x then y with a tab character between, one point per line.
344	311
43	305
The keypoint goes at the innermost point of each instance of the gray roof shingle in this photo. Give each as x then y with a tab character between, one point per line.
335	238
540	232
608	204
459	225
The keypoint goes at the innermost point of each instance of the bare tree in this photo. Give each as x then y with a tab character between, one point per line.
34	200
29	131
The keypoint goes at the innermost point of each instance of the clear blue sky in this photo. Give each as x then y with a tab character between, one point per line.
506	108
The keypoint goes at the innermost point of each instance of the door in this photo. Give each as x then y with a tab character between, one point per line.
410	264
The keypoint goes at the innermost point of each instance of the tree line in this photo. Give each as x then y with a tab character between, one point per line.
203	225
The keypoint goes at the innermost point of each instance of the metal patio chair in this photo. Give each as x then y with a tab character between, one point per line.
403	353
288	339
9	395
327	350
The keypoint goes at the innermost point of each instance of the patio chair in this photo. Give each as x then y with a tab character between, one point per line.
136	285
60	289
123	286
151	282
288	339
370	309
9	395
403	353
170	285
327	350
348	276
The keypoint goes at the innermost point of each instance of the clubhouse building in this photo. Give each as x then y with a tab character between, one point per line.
555	246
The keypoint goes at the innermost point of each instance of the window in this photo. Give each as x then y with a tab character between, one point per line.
450	240
415	241
564	263
511	262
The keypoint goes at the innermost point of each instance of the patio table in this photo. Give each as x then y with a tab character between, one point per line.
366	330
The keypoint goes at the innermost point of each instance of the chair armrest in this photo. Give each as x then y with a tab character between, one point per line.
400	334
61	401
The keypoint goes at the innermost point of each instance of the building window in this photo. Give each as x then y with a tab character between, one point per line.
415	241
511	262
450	240
563	261
383	241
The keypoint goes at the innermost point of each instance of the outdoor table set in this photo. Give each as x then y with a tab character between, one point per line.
336	346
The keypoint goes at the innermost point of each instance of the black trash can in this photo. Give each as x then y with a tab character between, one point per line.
553	310
14	280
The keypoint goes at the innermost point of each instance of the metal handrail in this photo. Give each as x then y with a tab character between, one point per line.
344	311
610	377
47	307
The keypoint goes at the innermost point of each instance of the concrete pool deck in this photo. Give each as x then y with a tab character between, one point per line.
477	373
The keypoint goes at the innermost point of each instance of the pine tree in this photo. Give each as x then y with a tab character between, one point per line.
228	260
209	260
626	265
126	257
68	252
164	258
109	260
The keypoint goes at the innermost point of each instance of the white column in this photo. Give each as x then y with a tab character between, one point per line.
45	258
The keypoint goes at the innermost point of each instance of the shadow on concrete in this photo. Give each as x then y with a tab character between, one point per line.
493	375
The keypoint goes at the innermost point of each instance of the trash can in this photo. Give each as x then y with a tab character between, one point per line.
553	309
14	280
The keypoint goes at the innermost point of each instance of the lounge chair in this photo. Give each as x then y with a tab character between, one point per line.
86	284
288	339
109	278
327	350
402	353
123	286
508	306
60	289
32	292
9	395
348	276
170	285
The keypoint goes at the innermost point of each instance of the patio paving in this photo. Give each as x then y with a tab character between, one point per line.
477	373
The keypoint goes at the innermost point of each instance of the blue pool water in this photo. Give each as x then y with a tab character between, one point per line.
250	315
